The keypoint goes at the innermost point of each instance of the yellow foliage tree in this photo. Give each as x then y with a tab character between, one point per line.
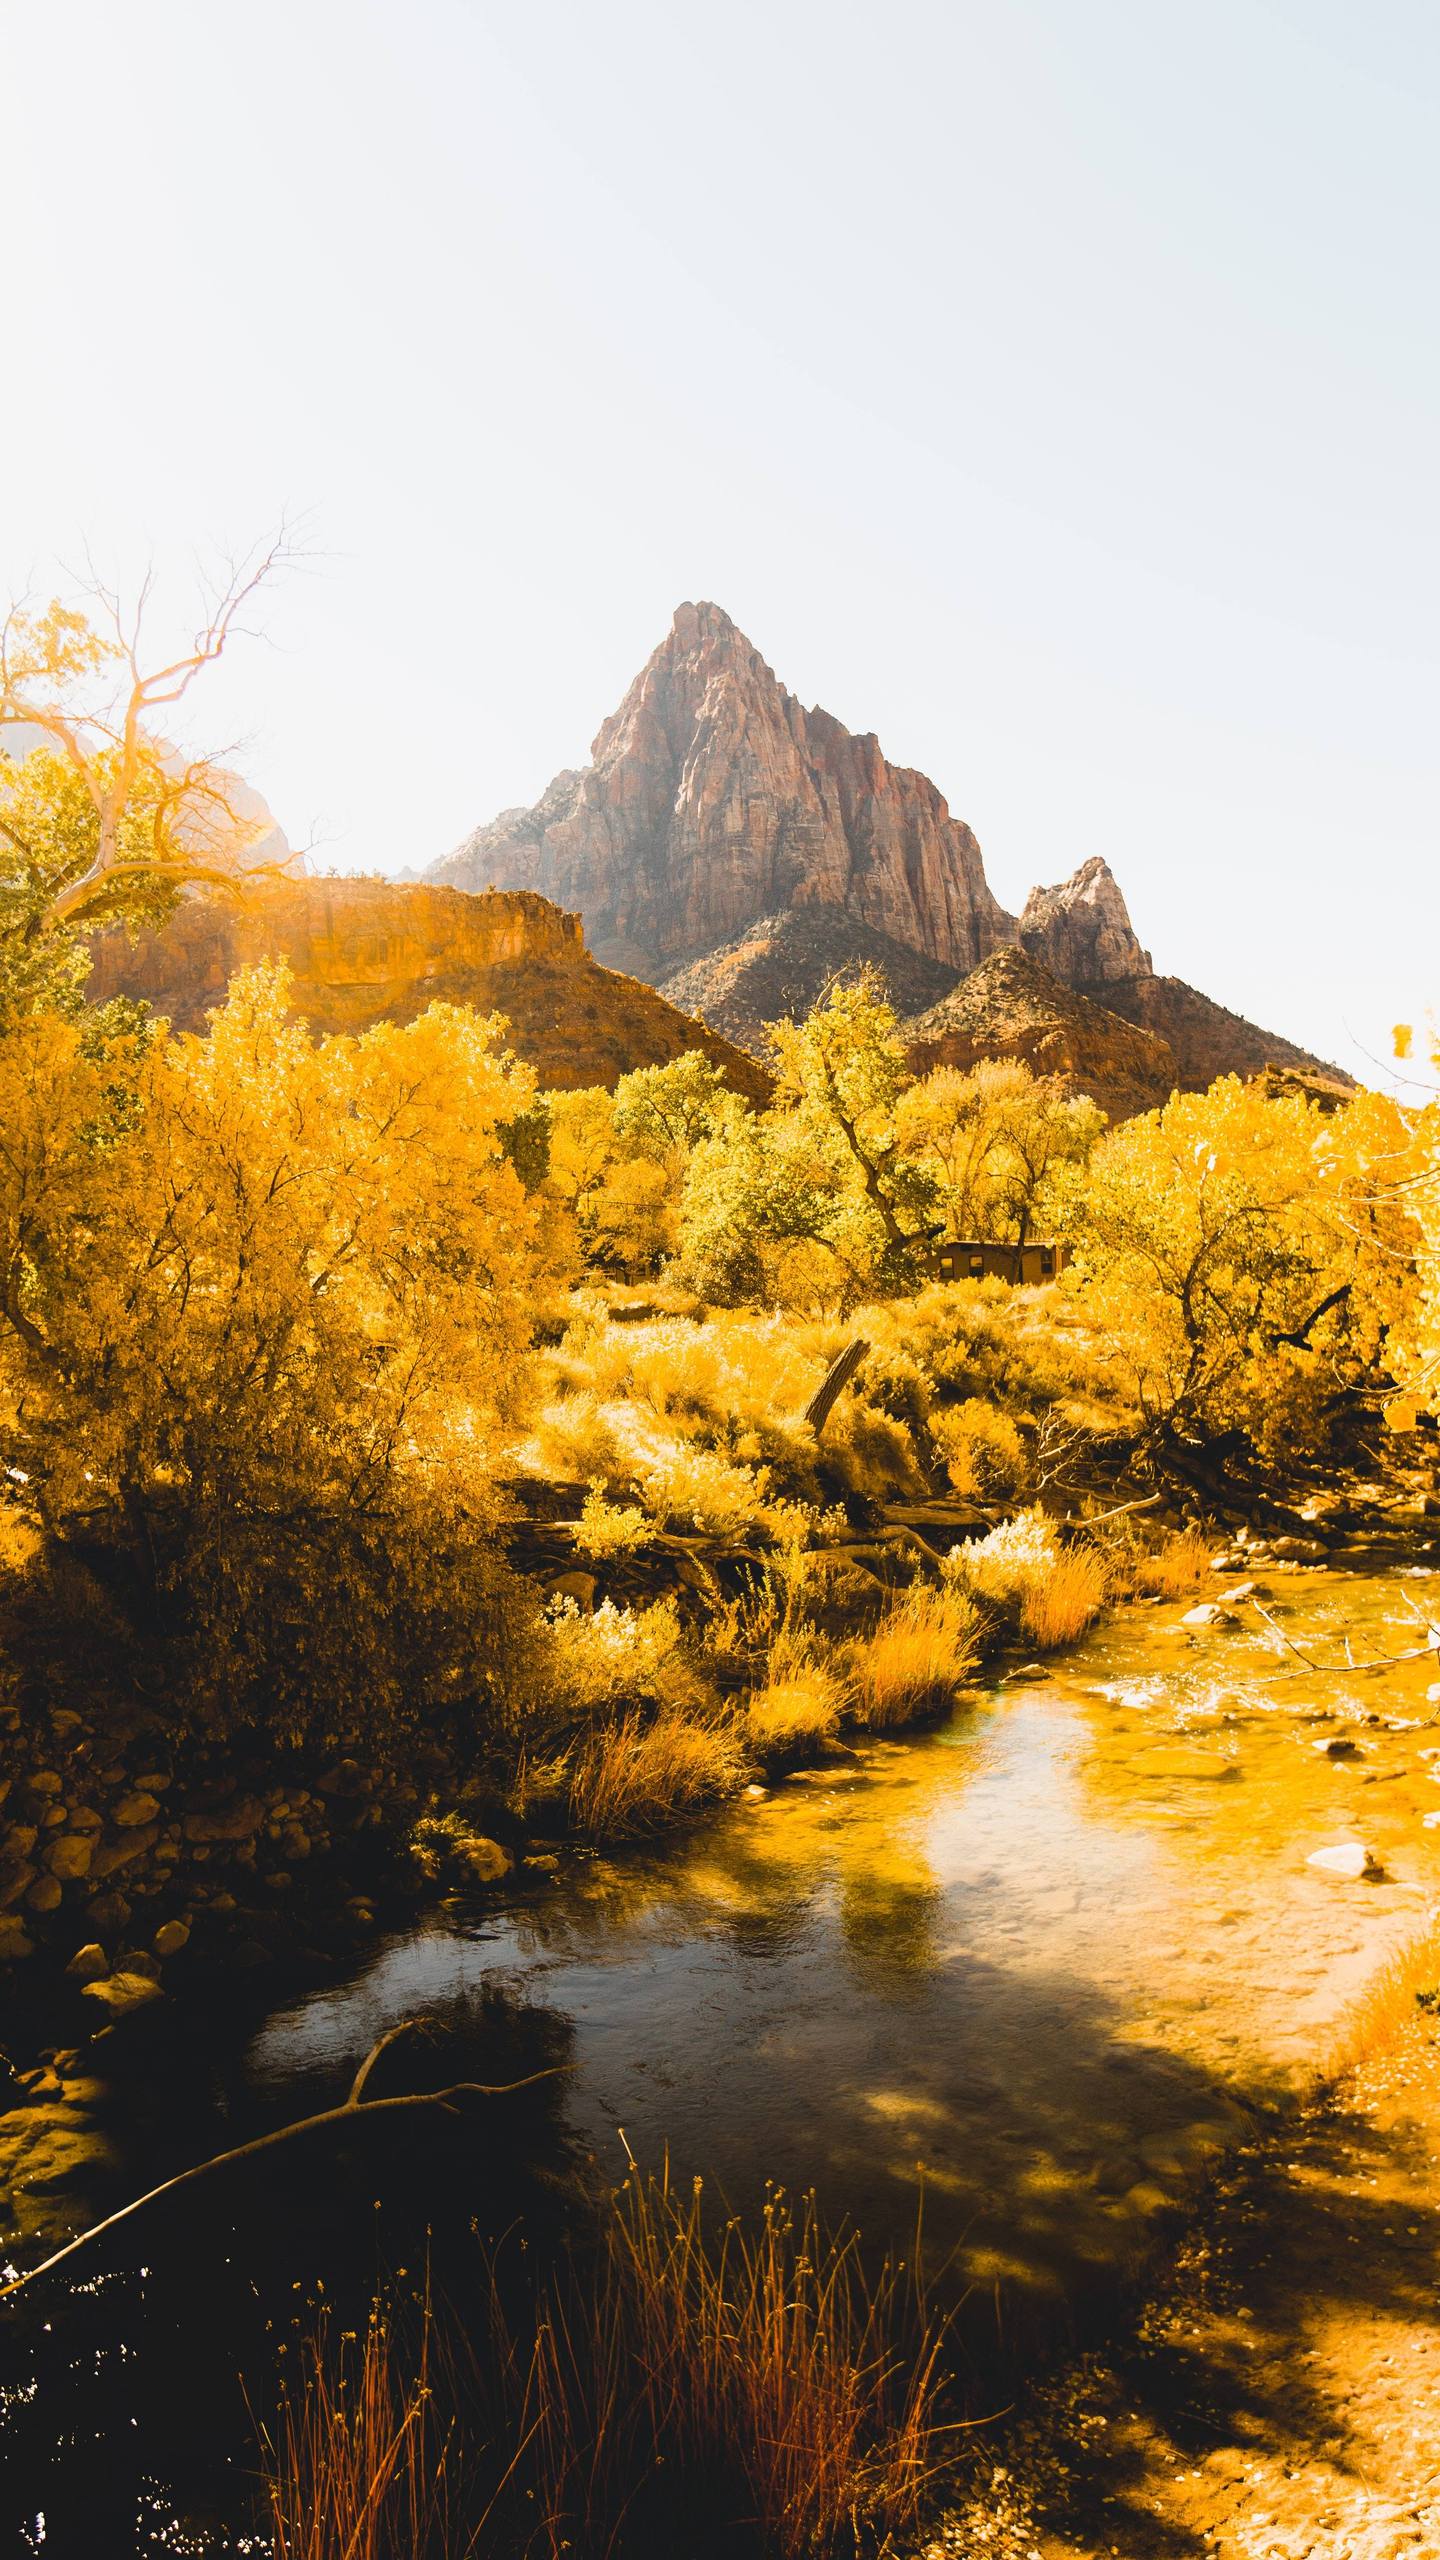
1413	1341
102	818
1235	1249
1005	1146
260	1294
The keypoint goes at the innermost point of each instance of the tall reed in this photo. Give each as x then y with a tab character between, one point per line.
750	2387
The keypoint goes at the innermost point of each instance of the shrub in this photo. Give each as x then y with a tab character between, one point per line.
1072	1594
635	1773
918	1656
1008	1564
610	1528
592	1664
1022	1569
983	1451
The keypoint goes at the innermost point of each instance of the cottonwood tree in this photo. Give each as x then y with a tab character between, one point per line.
842	1074
102	818
1226	1244
263	1302
1005	1146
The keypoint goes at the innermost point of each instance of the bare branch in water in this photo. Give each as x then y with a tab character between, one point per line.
1328	1670
352	2108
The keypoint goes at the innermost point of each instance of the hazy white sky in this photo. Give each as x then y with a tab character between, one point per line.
1052	386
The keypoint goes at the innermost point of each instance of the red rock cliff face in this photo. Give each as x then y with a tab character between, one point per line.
714	797
363	951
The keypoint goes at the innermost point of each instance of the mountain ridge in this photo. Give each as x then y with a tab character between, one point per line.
742	852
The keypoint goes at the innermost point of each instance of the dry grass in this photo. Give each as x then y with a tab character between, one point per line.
636	1773
923	1650
1392	2002
797	1709
1176	1567
358	2463
1072	1594
751	2387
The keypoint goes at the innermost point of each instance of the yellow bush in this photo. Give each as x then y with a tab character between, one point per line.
1005	1567
920	1654
634	1774
591	1664
1022	1568
983	1451
610	1528
1073	1592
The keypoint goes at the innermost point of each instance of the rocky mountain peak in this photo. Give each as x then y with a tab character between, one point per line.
1081	929
714	797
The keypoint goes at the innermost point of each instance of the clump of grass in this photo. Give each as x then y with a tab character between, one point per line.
801	1702
1058	1609
1392	2003
1182	1561
635	1773
752	2384
358	2463
922	1651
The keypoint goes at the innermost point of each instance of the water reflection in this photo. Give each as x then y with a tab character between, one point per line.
1035	1960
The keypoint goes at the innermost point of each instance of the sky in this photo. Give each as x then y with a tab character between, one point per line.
1051	386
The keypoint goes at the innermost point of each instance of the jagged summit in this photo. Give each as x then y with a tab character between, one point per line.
743	852
1081	929
715	798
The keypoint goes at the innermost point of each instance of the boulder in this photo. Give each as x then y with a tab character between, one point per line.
122	1992
135	1811
1350	1859
89	1963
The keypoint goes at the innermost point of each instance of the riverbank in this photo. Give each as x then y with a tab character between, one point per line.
1279	2397
1045	1956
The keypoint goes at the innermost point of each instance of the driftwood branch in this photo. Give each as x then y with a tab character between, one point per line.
837	1377
352	2109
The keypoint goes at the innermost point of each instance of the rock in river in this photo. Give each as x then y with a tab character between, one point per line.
1349	1858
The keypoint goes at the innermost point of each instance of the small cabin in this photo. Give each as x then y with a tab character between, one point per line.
1023	1265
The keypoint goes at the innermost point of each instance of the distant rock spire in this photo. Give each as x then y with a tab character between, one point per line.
1081	929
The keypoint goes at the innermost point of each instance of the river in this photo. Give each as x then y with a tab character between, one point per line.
1038	1964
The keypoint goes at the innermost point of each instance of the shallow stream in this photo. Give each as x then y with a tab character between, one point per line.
1039	1963
1035	1957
